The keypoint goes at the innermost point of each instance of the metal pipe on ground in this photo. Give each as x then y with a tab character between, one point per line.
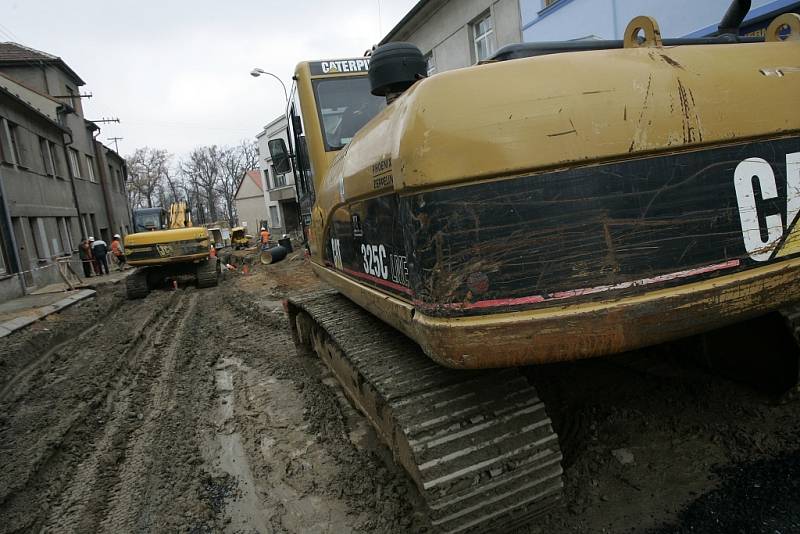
273	255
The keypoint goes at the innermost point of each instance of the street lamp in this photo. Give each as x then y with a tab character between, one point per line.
256	72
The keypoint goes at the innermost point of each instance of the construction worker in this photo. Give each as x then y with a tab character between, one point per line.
212	251
99	252
264	236
116	250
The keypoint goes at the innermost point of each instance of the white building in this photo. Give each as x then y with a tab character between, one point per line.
279	190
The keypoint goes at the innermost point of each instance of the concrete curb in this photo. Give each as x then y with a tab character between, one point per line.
21	322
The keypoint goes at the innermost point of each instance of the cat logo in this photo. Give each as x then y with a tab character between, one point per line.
164	250
764	232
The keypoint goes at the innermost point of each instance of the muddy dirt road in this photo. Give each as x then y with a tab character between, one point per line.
189	411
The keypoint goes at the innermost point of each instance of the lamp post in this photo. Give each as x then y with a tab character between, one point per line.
255	73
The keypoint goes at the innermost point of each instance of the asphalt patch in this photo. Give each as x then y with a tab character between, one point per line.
755	497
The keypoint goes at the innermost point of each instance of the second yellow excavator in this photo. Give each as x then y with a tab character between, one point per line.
167	247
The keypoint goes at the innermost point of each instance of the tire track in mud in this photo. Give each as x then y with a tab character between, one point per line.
126	500
82	507
16	384
58	407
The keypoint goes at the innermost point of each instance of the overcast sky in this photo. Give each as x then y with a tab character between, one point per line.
176	72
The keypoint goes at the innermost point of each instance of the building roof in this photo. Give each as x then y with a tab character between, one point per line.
255	176
15	54
408	18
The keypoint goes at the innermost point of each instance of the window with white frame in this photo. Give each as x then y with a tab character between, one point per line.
73	163
483	36
90	169
55	159
279	179
14	141
66	235
265	170
430	63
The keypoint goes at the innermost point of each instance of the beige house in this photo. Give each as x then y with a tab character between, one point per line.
458	33
249	202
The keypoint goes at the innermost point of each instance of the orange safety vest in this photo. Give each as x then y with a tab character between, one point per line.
115	248
264	237
213	252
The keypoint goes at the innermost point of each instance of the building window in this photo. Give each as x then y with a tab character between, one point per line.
70	95
483	37
39	237
3	267
430	63
265	170
73	163
14	140
90	169
120	181
55	159
279	179
3	135
274	217
66	235
48	158
43	154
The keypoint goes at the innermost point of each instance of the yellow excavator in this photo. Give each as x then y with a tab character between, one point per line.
166	247
560	201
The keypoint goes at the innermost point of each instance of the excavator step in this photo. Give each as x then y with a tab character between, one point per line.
478	444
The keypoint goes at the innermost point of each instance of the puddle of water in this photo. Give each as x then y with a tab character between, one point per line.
246	512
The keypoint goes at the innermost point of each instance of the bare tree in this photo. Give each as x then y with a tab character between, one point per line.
235	161
202	169
207	178
147	168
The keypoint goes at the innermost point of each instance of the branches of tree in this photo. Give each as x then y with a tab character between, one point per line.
207	179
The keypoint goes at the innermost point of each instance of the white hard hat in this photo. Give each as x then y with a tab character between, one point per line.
263	228
117	235
91	238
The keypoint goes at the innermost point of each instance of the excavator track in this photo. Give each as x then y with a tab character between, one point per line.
478	444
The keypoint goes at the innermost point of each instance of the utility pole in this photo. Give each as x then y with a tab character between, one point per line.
116	145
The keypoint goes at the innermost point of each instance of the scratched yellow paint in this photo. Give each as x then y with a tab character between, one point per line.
792	243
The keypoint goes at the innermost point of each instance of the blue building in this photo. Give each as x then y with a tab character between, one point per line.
562	20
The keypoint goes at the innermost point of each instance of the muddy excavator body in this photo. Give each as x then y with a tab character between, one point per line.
170	248
562	201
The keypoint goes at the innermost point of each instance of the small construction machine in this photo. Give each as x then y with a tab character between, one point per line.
239	238
561	201
167	247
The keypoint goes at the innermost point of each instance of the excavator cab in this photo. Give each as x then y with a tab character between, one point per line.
149	219
330	102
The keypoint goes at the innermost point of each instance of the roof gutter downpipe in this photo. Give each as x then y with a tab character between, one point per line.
734	17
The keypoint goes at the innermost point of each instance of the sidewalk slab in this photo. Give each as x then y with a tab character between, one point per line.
31	315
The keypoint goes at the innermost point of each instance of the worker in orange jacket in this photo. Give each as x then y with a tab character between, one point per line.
264	236
119	254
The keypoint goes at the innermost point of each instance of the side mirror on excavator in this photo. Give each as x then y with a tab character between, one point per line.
280	156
